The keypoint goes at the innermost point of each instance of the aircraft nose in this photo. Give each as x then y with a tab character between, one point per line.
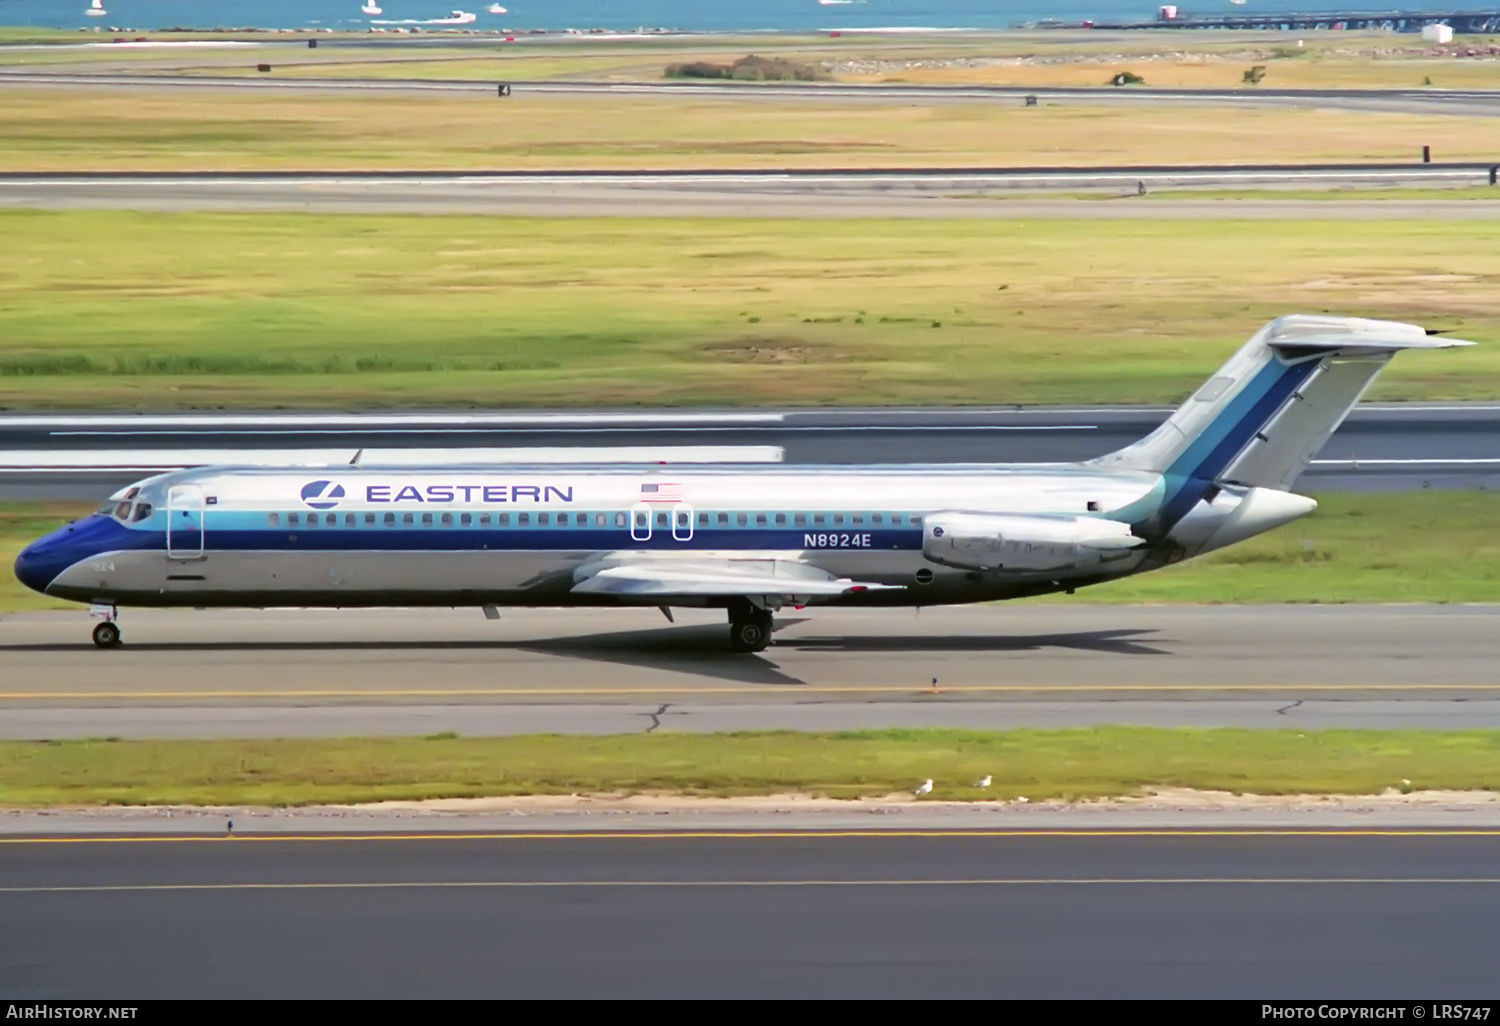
35	566
40	562
45	559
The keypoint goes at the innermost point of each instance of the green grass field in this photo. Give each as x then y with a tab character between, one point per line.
1068	764
1402	547
158	311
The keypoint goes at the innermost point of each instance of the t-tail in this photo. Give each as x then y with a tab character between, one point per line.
1231	454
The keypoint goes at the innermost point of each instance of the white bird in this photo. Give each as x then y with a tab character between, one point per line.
926	788
496	9
96	9
370	7
982	782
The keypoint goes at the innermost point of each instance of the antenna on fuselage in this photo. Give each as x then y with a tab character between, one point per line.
356	457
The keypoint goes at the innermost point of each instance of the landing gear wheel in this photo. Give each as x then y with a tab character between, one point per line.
750	633
107	635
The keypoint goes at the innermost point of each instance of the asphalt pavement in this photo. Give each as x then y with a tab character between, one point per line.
1379	448
298	673
1110	914
1015	194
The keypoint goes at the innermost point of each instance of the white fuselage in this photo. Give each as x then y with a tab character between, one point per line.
517	535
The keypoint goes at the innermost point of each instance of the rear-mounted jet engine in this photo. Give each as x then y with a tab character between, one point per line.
1023	542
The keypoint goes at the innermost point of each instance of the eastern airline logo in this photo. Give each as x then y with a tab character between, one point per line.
322	494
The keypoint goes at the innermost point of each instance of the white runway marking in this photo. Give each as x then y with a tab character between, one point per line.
737	884
1355	464
395	420
33	461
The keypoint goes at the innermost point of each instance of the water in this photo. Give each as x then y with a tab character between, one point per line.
622	15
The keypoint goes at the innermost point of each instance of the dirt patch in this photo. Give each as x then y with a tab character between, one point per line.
1164	799
1187	798
771	350
1390	281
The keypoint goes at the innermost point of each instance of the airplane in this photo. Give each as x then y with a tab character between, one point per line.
749	540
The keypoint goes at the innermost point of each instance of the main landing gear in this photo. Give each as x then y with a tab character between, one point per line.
106	634
749	628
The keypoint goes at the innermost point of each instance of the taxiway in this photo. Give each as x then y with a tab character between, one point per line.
1006	194
287	673
1105	914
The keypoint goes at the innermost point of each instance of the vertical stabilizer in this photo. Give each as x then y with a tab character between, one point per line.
1261	419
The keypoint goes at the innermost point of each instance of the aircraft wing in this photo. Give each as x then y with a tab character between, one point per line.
752	578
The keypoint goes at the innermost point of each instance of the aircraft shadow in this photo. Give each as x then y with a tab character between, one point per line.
1109	642
695	650
701	651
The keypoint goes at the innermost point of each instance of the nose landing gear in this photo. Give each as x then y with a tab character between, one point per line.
106	634
749	628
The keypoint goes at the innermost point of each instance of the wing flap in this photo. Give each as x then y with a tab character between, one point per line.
663	579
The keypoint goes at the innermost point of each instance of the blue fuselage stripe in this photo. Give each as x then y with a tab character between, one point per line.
530	539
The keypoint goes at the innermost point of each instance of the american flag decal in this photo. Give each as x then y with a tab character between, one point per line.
661	492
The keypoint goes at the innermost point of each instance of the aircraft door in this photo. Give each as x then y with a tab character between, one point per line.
185	522
640	524
682	523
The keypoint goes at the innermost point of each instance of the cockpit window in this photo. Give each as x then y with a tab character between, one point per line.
120	503
142	511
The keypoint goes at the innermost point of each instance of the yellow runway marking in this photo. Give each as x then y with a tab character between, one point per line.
763	690
810	834
553	884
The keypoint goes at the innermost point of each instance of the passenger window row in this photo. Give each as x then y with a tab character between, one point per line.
662	519
775	519
392	519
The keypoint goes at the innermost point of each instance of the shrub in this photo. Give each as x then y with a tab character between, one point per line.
747	69
698	69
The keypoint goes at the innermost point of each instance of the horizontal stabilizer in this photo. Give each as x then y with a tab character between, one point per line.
1306	335
754	578
1326	332
1358	344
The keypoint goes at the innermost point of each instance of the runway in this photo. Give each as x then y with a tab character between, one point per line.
327	673
1112	914
936	193
84	457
